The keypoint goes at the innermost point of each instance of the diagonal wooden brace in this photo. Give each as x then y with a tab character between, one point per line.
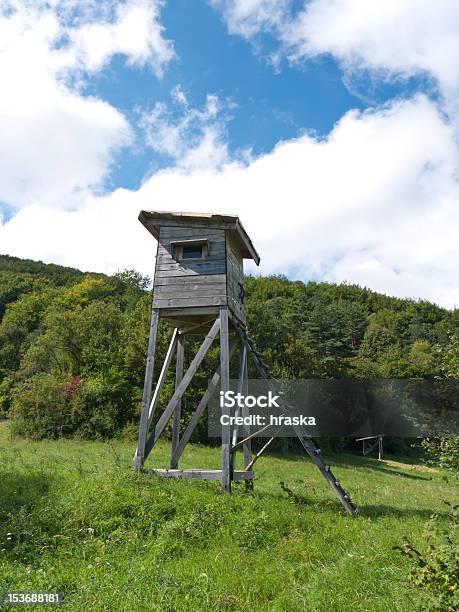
182	387
212	387
162	376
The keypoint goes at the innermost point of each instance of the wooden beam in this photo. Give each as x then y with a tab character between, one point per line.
214	384
259	454
240	388
162	377
247	446
199	474
178	407
249	437
139	456
195	328
226	429
177	396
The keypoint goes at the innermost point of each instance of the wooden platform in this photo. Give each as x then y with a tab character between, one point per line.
199	474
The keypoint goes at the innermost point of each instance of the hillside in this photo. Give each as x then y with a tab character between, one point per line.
8	263
72	344
74	518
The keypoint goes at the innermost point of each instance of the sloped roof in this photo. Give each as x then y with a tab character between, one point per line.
153	219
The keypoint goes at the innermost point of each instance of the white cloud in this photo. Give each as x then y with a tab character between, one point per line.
376	202
248	17
392	39
192	138
135	33
56	143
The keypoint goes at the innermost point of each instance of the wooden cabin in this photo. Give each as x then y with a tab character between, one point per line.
199	265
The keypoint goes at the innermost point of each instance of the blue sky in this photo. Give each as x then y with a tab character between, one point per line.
271	104
333	122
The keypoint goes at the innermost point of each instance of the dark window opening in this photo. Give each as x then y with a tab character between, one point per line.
192	252
191	249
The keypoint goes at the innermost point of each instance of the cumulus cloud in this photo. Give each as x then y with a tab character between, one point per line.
191	138
375	202
135	32
57	144
248	17
391	39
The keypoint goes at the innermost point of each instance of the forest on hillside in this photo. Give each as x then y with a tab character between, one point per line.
73	344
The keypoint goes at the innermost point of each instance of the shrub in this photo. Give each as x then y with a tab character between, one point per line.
107	409
6	386
41	408
45	407
436	566
445	451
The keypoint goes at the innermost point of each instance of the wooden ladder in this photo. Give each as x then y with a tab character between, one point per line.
306	441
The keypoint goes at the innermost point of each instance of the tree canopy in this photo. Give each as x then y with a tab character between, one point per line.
73	344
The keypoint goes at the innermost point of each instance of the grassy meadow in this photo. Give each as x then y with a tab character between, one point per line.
75	519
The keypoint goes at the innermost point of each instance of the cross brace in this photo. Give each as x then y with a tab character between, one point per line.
220	379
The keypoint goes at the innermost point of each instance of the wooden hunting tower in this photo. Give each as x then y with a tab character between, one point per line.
198	288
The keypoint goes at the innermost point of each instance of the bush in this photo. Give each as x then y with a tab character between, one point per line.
445	451
6	386
107	409
46	407
436	569
41	408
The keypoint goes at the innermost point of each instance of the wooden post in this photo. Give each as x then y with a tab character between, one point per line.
178	408
247	446
224	373
240	389
139	456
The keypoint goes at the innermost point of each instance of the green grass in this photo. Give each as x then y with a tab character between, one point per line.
75	519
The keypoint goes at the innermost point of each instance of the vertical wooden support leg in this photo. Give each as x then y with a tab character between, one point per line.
226	429
178	408
240	389
247	446
143	428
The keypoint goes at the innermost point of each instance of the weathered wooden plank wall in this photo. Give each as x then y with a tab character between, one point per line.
194	282
234	280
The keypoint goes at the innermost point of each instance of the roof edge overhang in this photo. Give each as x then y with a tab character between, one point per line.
153	220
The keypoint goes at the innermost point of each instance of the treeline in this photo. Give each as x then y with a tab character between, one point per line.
73	345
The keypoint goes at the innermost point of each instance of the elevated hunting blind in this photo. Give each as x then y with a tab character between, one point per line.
198	288
199	265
